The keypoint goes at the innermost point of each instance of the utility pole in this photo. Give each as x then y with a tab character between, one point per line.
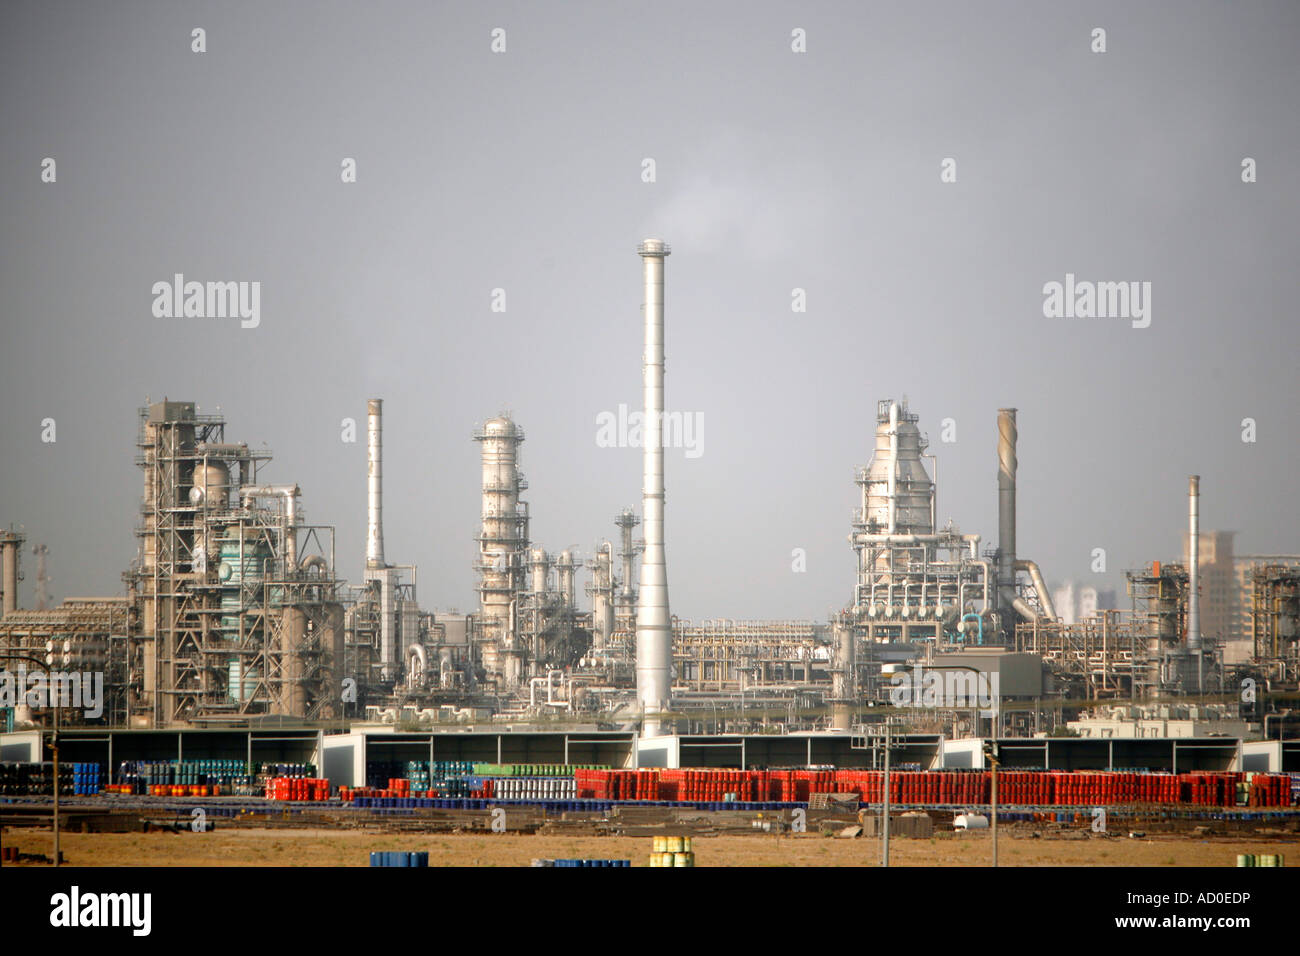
991	757
884	859
54	746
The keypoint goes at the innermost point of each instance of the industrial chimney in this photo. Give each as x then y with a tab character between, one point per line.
1193	573
1007	435
375	485
11	544
376	568
654	636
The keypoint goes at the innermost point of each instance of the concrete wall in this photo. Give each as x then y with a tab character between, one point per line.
111	747
21	746
1261	755
343	759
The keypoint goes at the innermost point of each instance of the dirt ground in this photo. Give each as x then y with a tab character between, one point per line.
332	848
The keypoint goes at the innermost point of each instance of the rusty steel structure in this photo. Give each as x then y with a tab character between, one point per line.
1275	621
236	596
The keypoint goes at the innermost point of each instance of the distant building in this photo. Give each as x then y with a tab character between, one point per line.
1075	604
1063	598
1087	603
1220	593
1227	590
1245	587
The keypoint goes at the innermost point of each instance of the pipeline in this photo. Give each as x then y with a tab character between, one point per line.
290	494
1044	597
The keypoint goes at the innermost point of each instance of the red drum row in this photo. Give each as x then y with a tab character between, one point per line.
940	787
297	788
618	784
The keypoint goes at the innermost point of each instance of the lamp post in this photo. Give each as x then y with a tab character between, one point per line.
884	856
991	757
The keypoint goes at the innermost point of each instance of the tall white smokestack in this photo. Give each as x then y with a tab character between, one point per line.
376	568
375	485
1193	572
654	636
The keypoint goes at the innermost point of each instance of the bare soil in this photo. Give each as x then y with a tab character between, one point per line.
332	848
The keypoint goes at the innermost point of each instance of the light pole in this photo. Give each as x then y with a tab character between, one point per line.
884	859
54	741
991	756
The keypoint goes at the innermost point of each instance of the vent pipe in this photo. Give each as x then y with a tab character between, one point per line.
654	634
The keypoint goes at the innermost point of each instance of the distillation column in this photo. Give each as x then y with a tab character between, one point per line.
625	598
501	543
565	569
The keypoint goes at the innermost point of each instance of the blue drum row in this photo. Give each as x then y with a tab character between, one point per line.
399	858
582	862
86	778
466	803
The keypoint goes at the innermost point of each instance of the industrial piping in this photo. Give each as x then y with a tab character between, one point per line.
290	494
654	634
1040	586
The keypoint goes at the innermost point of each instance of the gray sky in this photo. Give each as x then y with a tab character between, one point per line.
775	170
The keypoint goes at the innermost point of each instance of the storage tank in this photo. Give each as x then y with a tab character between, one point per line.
211	485
240	570
241	683
332	644
293	638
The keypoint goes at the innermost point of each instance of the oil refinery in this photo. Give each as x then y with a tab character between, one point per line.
240	676
234	614
355	513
